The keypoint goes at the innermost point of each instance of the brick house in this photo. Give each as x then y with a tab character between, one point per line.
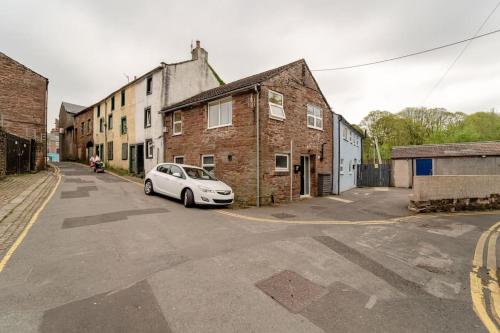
269	136
23	105
84	123
68	131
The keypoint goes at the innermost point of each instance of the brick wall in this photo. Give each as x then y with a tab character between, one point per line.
83	138
23	98
234	147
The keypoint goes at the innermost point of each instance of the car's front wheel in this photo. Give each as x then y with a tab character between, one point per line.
148	187
188	198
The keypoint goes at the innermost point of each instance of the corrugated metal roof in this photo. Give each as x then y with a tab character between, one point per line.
485	148
72	108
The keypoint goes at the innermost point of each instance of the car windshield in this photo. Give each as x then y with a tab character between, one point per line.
197	173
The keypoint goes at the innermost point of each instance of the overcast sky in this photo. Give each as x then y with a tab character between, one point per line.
86	47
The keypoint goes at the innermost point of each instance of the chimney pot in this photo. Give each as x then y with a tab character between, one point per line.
197	44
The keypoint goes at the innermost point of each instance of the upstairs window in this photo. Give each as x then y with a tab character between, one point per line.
149	85
177	122
82	128
110	121
314	117
220	113
276	109
123	97
147	117
101	125
112	103
98	110
123	125
208	163
89	126
344	133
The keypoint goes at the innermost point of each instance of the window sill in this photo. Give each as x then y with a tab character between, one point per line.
277	118
316	128
228	125
176	134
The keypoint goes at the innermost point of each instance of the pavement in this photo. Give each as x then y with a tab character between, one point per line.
103	257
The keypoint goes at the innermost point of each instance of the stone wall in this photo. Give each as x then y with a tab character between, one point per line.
458	192
84	137
23	102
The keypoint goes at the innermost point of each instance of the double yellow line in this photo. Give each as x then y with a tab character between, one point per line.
484	284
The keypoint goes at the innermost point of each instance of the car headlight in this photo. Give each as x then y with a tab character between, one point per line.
206	189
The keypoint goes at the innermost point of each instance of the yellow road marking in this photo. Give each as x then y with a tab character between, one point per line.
477	292
491	264
32	221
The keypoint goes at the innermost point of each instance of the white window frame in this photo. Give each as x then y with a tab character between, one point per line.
350	167
147	148
174	122
276	168
314	117
344	133
341	170
219	103
271	115
179	156
203	164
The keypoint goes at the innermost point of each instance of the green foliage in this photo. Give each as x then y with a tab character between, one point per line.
416	126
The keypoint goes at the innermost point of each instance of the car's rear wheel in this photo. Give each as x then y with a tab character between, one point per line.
148	187
188	198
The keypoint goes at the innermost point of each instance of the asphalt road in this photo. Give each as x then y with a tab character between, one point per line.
103	257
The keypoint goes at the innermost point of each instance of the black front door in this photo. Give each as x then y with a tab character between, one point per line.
140	158
132	166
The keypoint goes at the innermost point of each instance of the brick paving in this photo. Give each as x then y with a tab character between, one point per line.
20	198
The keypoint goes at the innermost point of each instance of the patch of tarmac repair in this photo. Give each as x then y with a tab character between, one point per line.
78	181
133	309
403	285
82	221
80	192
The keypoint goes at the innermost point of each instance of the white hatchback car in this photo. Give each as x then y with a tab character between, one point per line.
191	184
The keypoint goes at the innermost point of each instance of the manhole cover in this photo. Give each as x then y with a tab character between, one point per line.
291	290
283	216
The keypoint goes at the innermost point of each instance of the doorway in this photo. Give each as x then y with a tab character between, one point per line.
305	176
424	167
132	159
140	158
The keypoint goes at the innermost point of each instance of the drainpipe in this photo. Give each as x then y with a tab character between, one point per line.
291	170
257	119
46	115
338	159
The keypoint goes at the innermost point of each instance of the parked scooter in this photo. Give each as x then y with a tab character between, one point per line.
97	166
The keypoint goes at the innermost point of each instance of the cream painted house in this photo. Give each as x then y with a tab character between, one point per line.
128	126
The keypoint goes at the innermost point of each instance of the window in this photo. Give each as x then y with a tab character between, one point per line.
112	103
149	85
179	159
123	97
220	113
276	105
124	151
350	136
176	169
350	167
208	163
344	133
82	128
177	122
281	162
164	168
98	110
123	125
314	117
110	121
89	126
341	166
149	148
110	150
147	117
101	125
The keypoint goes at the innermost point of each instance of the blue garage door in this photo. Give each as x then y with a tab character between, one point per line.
424	167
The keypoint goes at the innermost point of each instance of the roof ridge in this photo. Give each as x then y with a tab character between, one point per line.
447	144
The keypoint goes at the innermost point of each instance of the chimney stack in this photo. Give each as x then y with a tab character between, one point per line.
199	53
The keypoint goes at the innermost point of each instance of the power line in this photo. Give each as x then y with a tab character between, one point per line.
459	55
407	55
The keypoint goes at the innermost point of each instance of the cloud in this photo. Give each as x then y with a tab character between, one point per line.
86	47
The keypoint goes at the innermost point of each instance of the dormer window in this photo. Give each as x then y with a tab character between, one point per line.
276	109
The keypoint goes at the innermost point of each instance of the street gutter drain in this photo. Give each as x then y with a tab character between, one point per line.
291	290
283	215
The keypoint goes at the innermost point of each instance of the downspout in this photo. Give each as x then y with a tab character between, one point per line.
257	120
46	115
338	159
291	170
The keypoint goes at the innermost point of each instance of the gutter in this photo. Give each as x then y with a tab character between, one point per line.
166	110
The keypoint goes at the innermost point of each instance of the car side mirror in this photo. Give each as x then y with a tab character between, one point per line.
176	174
